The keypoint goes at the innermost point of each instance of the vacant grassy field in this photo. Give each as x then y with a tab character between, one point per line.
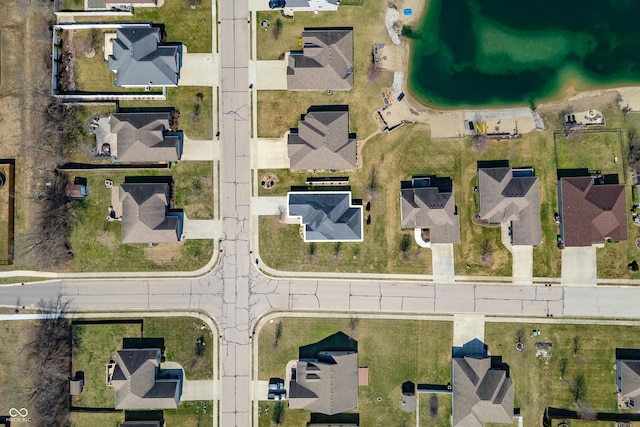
15	380
180	335
394	351
192	27
97	242
280	110
183	99
538	382
97	345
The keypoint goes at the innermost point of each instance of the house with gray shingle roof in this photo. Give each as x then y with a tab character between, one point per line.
328	382
628	376
145	214
139	59
137	384
513	196
429	203
482	390
322	140
327	216
325	61
312	5
145	137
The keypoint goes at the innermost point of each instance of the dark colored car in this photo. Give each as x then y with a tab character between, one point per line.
276	389
277	4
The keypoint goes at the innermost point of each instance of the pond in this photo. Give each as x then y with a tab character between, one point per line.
507	53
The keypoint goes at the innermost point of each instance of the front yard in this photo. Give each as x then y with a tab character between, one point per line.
96	242
395	351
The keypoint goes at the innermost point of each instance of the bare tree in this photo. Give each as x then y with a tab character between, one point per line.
563	367
578	389
278	413
480	142
276	30
486	253
576	346
50	357
405	244
277	334
354	321
372	183
337	247
311	251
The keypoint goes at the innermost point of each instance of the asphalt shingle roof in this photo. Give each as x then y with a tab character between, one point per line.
146	137
326	216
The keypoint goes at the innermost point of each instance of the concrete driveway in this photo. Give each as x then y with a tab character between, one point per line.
268	205
201	228
197	390
442	262
522	264
466	327
579	266
271	153
202	150
269	75
199	69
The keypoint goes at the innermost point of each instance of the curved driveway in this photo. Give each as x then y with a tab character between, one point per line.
236	294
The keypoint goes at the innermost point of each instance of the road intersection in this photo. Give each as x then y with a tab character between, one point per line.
236	294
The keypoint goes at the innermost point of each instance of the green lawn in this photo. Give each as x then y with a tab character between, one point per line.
538	383
15	372
72	5
183	99
192	27
97	242
435	410
97	345
394	351
595	150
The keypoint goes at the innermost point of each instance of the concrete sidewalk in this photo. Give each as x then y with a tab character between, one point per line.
199	69
271	153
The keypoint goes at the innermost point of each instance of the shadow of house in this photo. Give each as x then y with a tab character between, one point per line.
483	391
592	207
325	61
338	420
139	59
139	384
326	379
322	140
146	217
513	196
429	203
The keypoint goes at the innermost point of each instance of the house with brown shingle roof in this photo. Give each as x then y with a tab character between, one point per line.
483	391
325	61
513	196
322	140
137	383
326	382
145	137
591	211
428	203
145	214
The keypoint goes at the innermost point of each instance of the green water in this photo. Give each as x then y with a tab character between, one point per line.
514	52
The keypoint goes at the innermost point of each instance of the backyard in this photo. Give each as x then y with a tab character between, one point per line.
395	351
15	379
577	350
183	24
96	242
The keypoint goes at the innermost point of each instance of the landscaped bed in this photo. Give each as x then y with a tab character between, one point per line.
395	351
96	242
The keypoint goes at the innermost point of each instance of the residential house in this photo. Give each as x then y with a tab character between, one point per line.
327	216
428	203
312	5
322	140
326	382
483	392
592	211
139	59
145	137
325	61
628	376
137	382
513	196
145	214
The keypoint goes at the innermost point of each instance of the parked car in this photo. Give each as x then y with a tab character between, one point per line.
277	4
276	389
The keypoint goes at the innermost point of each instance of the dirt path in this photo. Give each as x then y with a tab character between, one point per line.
360	146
